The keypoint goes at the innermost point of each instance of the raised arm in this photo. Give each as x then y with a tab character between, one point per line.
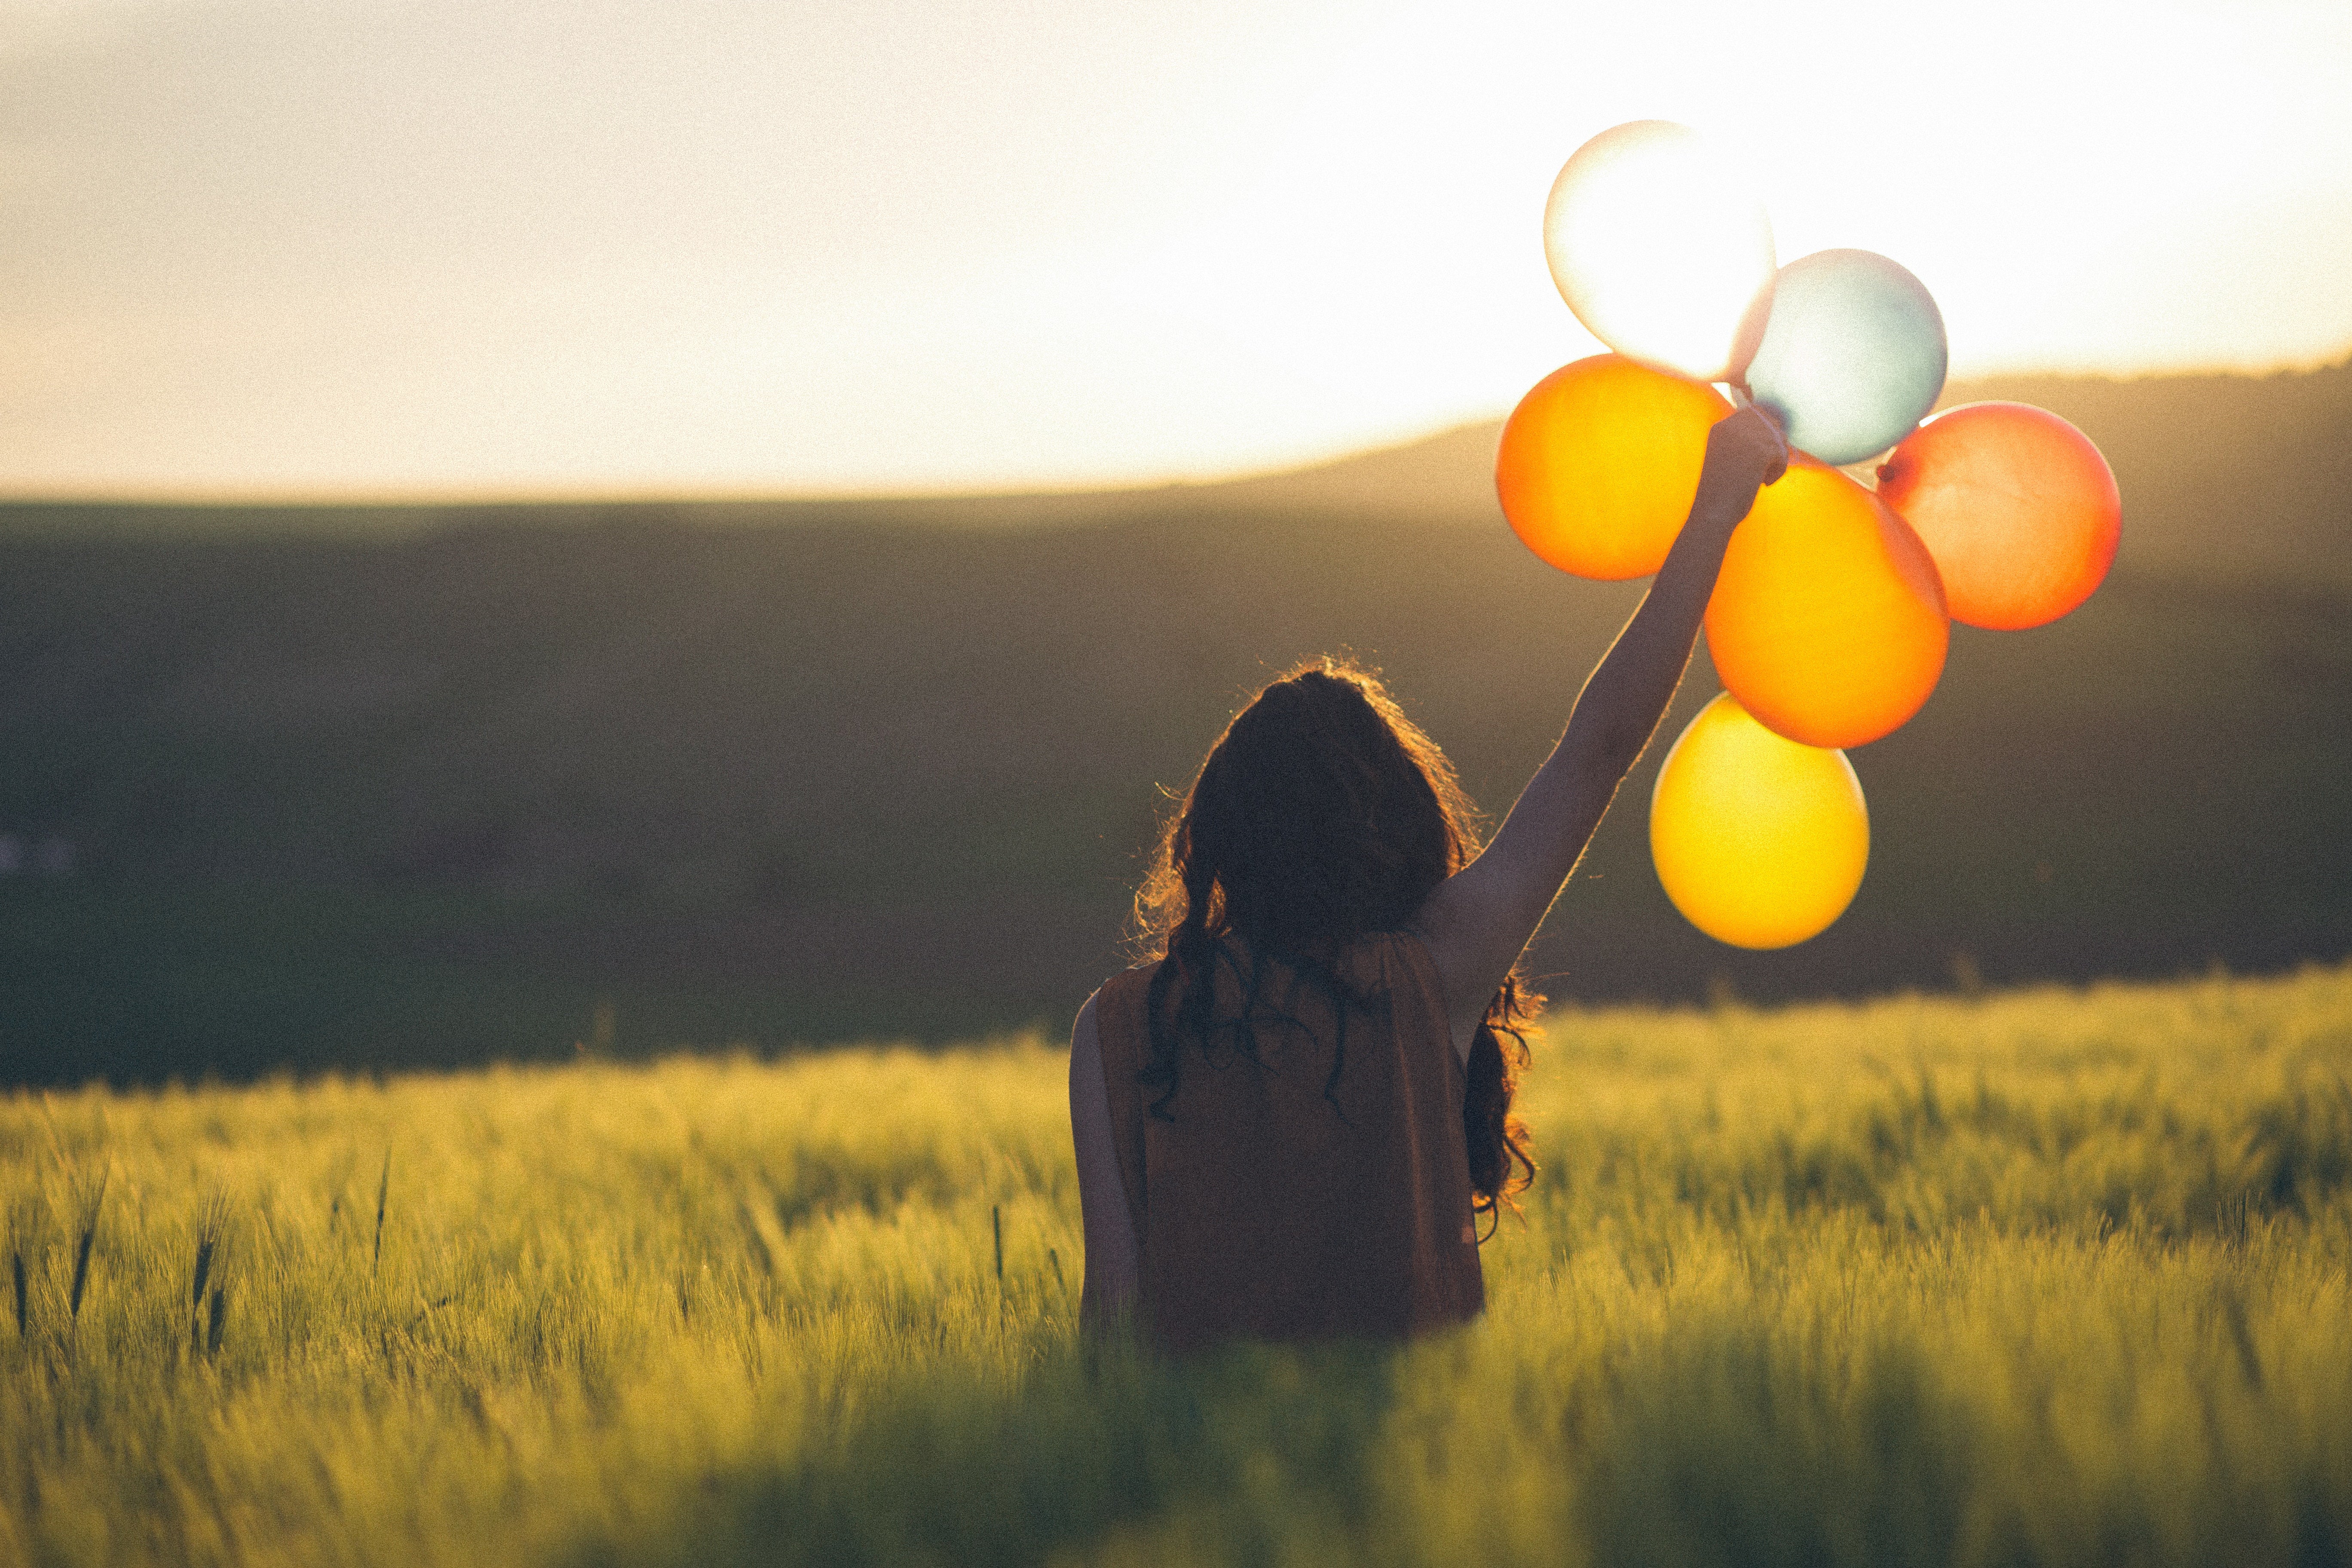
1479	918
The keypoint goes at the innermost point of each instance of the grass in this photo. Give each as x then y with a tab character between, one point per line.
2046	1277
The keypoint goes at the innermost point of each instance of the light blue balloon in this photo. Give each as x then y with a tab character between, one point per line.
1852	356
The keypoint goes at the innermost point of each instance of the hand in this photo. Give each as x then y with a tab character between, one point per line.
1745	452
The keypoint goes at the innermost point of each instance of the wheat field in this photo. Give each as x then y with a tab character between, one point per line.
2048	1277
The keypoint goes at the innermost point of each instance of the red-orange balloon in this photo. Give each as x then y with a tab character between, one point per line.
2016	505
1828	620
1599	464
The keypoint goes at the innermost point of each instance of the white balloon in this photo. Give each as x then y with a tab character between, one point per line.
1662	249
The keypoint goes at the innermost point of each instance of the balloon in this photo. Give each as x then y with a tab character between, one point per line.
1828	618
2016	505
1852	356
1660	250
1759	841
1599	465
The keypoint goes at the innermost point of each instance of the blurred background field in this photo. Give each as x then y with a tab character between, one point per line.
402	786
2050	1276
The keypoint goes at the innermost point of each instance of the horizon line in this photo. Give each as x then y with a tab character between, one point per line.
527	493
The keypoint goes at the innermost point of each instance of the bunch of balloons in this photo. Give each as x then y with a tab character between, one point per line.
1832	614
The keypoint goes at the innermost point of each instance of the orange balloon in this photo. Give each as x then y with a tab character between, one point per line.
1599	465
2016	505
1828	619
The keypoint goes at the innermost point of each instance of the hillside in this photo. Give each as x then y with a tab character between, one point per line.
431	794
2247	479
2227	477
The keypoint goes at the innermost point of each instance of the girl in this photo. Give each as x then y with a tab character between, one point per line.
1288	1126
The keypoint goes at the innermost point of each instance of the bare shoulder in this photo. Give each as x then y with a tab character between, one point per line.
1112	992
1109	1000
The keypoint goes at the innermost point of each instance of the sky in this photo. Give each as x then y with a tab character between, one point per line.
350	249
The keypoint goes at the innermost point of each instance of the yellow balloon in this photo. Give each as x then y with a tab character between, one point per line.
1760	841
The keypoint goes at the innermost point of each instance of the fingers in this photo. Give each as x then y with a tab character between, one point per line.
1767	430
1751	436
1778	464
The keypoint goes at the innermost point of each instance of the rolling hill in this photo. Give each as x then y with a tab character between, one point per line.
405	786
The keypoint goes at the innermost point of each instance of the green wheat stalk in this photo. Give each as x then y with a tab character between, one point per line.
383	1191
209	1226
82	1244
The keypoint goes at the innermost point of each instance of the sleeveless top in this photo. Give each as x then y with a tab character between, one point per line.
1263	1212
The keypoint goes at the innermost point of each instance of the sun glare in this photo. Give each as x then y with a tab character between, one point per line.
1660	247
1290	232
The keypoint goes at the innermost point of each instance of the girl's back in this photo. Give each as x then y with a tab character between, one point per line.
1268	1208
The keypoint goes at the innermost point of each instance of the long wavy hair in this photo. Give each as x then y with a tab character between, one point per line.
1321	815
